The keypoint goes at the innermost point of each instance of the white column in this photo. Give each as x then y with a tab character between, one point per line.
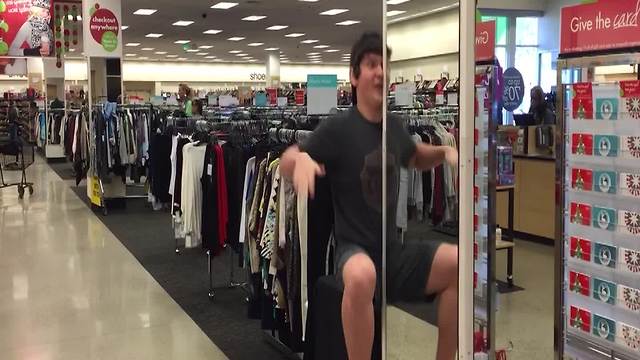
273	69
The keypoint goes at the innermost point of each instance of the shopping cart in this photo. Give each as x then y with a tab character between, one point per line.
16	154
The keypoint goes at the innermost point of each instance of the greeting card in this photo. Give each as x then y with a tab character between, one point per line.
606	145
630	260
629	298
604	218
629	222
630	147
580	248
605	291
582	144
580	214
604	328
607	109
605	255
580	319
582	179
605	181
580	283
630	184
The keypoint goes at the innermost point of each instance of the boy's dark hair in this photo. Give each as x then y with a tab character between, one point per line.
369	43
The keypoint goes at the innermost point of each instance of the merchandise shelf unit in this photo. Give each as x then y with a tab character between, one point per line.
597	274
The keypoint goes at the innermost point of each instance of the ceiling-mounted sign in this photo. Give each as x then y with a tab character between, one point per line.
322	94
404	94
300	97
602	25
26	28
101	26
513	93
272	96
485	40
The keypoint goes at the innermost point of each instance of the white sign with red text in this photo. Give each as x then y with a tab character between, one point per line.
102	20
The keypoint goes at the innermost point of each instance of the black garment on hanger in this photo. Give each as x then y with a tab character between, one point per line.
160	166
209	180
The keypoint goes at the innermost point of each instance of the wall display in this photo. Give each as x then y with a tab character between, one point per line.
101	28
26	28
602	221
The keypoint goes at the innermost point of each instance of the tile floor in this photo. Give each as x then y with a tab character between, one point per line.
70	290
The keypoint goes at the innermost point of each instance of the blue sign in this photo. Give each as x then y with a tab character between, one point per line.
513	89
261	99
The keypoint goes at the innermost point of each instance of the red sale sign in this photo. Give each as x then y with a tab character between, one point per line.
485	40
603	25
300	97
272	96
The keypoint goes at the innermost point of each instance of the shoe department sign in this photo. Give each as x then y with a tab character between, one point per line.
600	26
101	27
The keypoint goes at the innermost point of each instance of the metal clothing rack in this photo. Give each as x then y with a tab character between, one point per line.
103	198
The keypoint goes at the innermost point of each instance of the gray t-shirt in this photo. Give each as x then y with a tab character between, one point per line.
350	147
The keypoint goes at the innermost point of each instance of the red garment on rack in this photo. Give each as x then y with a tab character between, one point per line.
223	205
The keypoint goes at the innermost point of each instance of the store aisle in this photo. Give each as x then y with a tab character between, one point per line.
70	290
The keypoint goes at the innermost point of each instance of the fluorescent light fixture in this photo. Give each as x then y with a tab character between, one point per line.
247	58
396	2
255	44
236	38
182	23
334	12
205	47
321	46
314	56
241	55
148	49
395	12
143	58
253	60
130	55
295	35
154	35
124	27
277	27
202	54
346	59
286	61
271	49
145	12
235	51
348	22
313	53
254	18
316	62
132	44
332	50
172	56
309	41
193	50
210	57
224	5
182	42
309	0
212	32
182	59
161	53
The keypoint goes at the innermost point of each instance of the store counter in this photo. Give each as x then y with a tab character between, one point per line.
534	202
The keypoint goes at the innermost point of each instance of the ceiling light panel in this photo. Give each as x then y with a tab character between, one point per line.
130	55
145	12
161	53
321	46
396	2
124	27
172	56
332	50
333	12
395	12
236	38
309	0
313	53
192	50
272	49
277	27
132	44
310	41
241	55
254	18
182	23
147	49
154	35
182	42
202	54
143	58
182	59
235	51
212	32
255	44
210	57
295	35
348	23
224	5
205	47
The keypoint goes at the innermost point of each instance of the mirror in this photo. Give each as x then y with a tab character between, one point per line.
422	253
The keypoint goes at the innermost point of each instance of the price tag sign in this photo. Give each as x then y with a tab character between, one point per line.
513	89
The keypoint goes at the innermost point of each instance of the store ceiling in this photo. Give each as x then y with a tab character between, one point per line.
300	17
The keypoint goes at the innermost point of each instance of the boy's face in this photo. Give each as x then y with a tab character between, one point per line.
370	84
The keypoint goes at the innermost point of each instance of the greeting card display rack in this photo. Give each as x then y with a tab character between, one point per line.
597	297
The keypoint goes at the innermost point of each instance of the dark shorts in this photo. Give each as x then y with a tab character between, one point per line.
408	268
